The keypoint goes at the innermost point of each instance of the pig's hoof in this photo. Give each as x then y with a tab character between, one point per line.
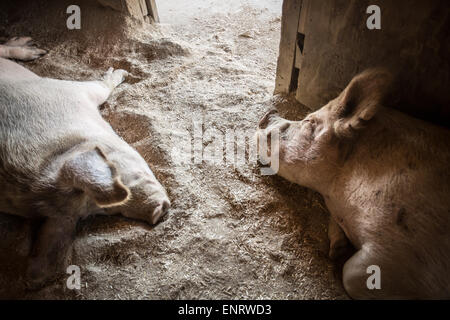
339	248
19	42
115	77
22	48
26	53
34	285
35	279
38	275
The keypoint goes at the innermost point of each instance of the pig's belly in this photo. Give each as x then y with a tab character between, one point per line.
37	123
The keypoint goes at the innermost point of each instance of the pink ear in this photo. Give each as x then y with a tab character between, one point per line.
91	172
359	102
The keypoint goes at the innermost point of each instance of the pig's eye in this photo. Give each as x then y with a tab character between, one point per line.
312	123
316	127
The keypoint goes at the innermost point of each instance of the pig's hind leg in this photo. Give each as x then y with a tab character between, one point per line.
375	273
21	48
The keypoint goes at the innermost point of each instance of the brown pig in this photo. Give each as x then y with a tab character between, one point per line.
59	160
385	178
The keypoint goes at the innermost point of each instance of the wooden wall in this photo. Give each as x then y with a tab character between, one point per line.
141	9
145	10
324	43
105	24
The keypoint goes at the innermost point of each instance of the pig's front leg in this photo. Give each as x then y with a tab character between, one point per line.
21	49
99	91
50	250
339	243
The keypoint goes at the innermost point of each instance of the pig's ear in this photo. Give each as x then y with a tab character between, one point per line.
91	172
359	102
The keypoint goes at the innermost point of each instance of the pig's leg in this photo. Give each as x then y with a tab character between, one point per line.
355	274
21	49
339	243
99	91
19	41
50	250
370	267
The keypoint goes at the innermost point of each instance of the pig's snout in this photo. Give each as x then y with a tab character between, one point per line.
267	118
272	121
160	211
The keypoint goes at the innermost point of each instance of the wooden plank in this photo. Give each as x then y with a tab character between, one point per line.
143	6
286	57
299	50
134	9
152	10
338	45
301	30
303	16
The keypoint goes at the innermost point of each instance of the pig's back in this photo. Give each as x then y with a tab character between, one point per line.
399	179
404	165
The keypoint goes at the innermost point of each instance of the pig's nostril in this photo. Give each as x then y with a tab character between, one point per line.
165	206
284	127
263	123
160	211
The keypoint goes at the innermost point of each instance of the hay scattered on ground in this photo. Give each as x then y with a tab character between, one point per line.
231	232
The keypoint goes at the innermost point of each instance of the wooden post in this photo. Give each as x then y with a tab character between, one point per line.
152	10
141	9
286	59
301	33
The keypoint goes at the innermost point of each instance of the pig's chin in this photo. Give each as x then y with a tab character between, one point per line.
149	215
292	166
294	174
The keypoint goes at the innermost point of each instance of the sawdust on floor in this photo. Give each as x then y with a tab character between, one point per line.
231	233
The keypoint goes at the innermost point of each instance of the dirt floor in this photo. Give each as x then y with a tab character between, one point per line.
231	233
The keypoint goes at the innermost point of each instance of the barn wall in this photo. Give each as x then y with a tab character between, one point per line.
413	43
106	25
144	10
99	18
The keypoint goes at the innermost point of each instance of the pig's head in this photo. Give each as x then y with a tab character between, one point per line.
118	181
309	151
148	199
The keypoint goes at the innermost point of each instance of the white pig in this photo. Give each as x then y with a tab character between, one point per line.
385	179
59	160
